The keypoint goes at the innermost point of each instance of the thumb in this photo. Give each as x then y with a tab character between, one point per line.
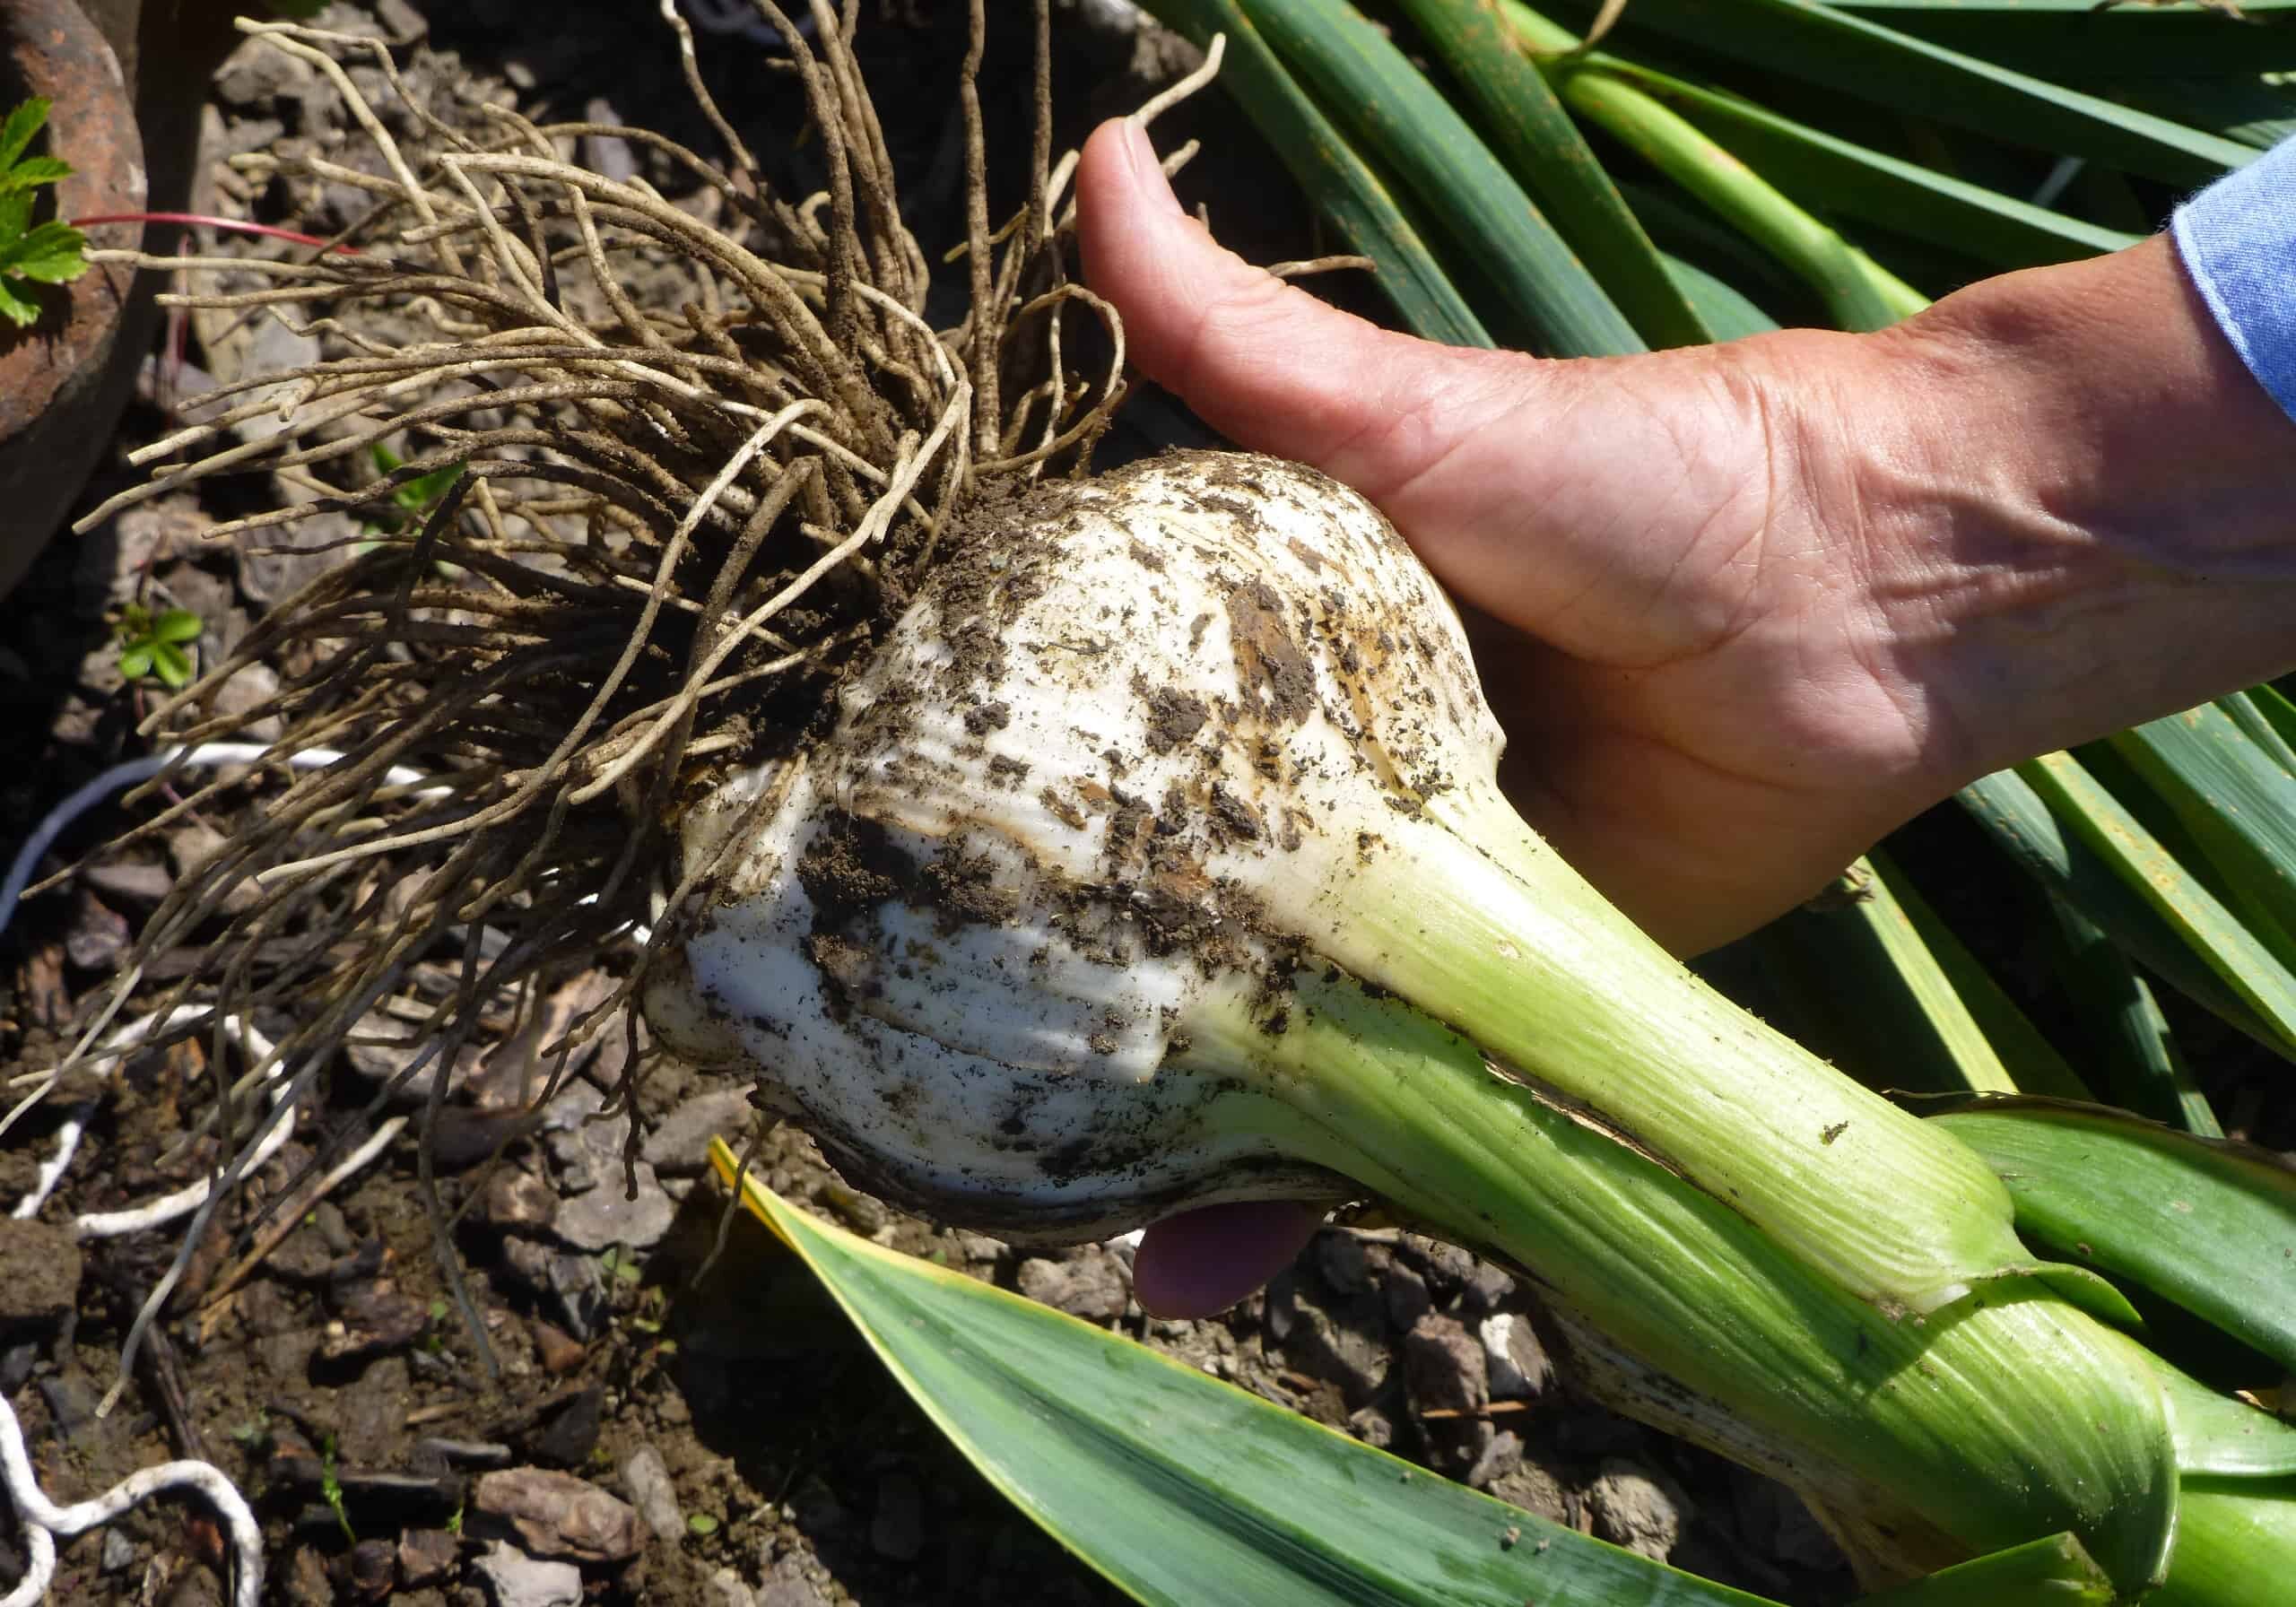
1263	362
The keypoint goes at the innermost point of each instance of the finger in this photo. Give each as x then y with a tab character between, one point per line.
1263	362
1206	1260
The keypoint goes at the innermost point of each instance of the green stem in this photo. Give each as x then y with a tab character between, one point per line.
2014	1416
1465	913
1859	292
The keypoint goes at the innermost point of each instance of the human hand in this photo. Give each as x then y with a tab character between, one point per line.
1746	608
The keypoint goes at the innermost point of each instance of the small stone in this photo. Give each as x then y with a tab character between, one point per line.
1501	1457
1635	1507
1487	1286
566	1432
607	1216
405	24
1347	1346
788	1586
1405	1292
645	1478
1339	1257
137	881
1444	1368
1372	1425
1518	1365
1088	1284
679	1146
514	1579
370	1570
97	935
374	1318
559	1352
516	1202
118	1553
898	1530
557	1515
425	1556
308	1584
727	1590
39	1270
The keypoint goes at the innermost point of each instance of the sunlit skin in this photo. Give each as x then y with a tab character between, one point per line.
1744	609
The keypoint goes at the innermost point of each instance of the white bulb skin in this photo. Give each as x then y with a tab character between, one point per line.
1108	776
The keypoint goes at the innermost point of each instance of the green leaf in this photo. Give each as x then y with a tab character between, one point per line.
1822	171
1529	131
14	308
1730	315
172	665
2206	1223
35	170
1858	293
135	662
2141	1069
50	253
1340	182
2057	1570
15	214
1545	293
2062	862
176	625
1836	48
2268	718
22	124
418	494
2201	922
2221	1434
2238	805
1184	1489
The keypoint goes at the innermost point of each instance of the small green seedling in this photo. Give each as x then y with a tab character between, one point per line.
49	252
331	1489
157	644
411	503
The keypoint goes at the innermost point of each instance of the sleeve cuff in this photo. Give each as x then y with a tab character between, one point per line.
2237	242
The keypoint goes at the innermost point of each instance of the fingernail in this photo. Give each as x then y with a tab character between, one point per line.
1147	174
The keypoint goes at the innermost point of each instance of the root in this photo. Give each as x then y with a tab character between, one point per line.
671	533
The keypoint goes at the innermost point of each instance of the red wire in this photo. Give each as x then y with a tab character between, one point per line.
203	221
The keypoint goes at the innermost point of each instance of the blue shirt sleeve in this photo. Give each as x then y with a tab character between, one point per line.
2238	240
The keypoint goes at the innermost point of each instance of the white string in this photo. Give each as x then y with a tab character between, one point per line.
44	1520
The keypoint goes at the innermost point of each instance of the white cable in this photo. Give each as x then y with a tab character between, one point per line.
202	756
51	1170
44	1520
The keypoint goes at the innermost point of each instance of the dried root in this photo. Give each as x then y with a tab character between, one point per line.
671	530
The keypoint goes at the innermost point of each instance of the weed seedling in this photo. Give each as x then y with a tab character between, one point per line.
49	252
157	644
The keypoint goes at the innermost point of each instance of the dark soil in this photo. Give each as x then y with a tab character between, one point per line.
336	1382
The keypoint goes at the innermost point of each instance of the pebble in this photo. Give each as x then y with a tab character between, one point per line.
513	1201
788	1586
645	1477
898	1530
1340	1258
1636	1509
557	1515
1519	1366
1444	1367
1088	1284
560	1351
118	1553
1352	1354
370	1570
727	1590
607	1216
425	1556
139	881
679	1146
514	1579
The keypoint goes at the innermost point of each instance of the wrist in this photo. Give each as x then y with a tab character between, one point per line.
2082	512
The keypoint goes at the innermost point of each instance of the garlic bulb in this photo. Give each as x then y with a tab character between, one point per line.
1017	939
